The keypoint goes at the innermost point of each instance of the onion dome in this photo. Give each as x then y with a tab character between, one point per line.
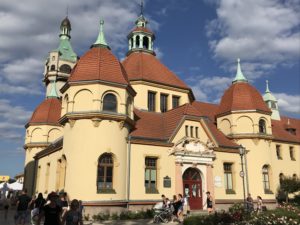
143	66
99	64
47	113
65	23
242	96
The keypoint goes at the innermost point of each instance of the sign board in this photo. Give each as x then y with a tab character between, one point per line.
218	181
167	182
4	178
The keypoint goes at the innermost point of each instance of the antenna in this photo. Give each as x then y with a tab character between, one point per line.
142	7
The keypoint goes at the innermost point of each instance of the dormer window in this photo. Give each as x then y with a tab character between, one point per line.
291	131
262	126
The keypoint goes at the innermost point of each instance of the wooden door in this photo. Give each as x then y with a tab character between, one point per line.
192	187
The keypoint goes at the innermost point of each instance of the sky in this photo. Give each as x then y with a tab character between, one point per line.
199	40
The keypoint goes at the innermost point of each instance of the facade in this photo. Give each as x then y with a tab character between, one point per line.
123	133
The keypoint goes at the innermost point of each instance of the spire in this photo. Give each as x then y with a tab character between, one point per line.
142	7
65	29
101	38
53	92
267	87
239	77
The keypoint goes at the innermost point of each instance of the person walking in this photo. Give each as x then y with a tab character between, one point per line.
22	208
209	202
250	204
259	205
5	203
37	208
73	215
180	208
51	212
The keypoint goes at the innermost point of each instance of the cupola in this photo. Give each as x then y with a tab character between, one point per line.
141	38
272	103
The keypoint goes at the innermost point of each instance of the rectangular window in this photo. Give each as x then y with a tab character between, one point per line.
228	178
186	130
278	152
292	153
192	131
175	101
151	175
163	102
197	134
151	101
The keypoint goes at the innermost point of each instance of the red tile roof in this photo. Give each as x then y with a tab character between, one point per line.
99	64
151	125
242	96
48	112
145	66
279	129
143	29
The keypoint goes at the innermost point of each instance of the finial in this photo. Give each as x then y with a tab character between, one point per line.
239	77
142	7
67	10
53	92
267	86
101	39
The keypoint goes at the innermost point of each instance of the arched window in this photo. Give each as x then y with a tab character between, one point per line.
262	126
145	42
52	68
65	68
110	103
266	180
137	41
105	172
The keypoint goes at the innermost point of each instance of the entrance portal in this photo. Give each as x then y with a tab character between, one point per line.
192	187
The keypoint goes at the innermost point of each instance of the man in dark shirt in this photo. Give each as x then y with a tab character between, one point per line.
51	212
22	208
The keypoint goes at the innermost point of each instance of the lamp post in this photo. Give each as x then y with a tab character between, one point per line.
242	174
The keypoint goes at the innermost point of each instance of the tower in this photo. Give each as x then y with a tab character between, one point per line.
141	38
272	102
61	60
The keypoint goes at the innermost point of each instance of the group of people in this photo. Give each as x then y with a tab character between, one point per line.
178	204
54	210
250	204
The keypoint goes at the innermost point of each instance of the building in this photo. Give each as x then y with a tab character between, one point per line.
122	133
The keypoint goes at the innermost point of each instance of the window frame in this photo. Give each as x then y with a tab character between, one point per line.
164	102
177	98
151	101
292	153
262	127
197	132
104	103
278	152
150	168
228	181
266	179
186	130
104	189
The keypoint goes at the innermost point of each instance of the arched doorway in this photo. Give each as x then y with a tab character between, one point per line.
192	187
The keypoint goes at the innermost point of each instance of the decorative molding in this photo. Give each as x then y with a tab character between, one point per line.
96	122
72	123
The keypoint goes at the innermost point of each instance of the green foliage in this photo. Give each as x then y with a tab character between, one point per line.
125	215
290	184
101	216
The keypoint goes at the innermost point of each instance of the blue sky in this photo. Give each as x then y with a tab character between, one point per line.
197	39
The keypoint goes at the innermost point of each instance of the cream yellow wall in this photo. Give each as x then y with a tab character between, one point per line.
42	133
83	145
90	97
41	179
141	99
181	131
243	123
165	167
263	152
218	171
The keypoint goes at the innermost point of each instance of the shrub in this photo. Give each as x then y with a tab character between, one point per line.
86	217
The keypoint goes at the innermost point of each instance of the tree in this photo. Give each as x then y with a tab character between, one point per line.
289	185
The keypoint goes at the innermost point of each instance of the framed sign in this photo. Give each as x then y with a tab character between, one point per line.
167	182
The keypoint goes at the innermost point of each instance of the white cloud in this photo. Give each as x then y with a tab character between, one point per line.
258	31
28	31
12	120
158	52
209	88
288	103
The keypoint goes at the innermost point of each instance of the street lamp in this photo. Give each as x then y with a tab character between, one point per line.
242	174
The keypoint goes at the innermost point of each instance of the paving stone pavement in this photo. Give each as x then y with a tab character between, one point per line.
11	213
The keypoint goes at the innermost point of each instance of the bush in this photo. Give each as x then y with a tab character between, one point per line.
86	217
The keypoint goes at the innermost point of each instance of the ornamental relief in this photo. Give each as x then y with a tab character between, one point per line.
193	146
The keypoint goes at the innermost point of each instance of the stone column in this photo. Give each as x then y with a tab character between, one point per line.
210	179
178	179
134	41
141	41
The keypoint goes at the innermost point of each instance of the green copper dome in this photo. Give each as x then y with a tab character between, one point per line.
239	77
268	95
